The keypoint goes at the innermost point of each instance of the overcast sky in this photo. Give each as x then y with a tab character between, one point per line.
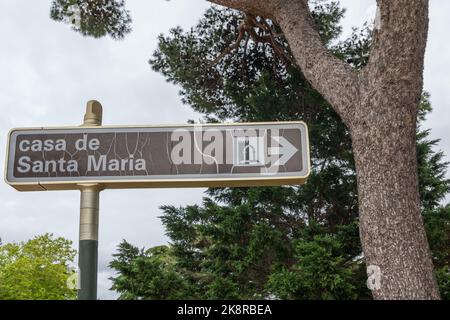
48	73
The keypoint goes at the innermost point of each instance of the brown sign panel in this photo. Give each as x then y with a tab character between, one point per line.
172	156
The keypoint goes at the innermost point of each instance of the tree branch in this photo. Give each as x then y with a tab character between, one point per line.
336	80
333	78
234	46
246	31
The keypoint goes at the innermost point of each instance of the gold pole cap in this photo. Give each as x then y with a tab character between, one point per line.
94	113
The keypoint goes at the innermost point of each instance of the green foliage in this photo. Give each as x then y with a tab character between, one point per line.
95	18
356	49
432	169
328	15
443	278
147	274
324	269
437	224
36	270
233	88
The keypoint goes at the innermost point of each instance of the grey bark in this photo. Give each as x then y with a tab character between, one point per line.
379	105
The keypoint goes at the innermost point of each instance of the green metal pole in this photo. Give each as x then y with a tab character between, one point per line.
89	218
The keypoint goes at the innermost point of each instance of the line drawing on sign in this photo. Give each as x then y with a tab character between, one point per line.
141	152
199	129
169	156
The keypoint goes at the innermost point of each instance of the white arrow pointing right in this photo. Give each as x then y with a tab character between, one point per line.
285	150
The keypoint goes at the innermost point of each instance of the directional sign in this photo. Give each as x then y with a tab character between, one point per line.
172	156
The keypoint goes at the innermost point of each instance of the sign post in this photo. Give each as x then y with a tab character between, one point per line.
89	218
93	157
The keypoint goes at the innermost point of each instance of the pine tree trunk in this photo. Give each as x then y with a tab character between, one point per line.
379	105
391	226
